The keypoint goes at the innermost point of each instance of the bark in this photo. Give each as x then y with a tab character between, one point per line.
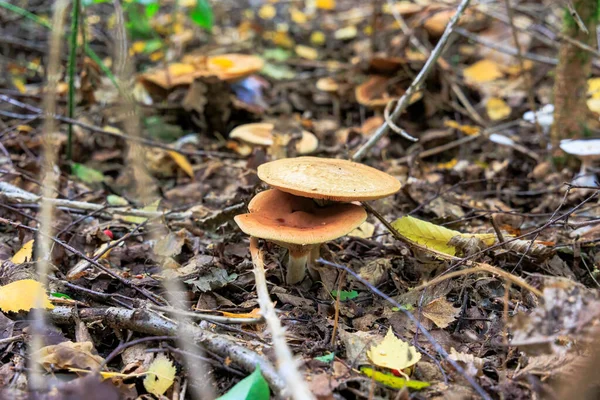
572	72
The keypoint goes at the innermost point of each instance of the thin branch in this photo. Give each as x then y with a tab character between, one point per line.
415	85
287	365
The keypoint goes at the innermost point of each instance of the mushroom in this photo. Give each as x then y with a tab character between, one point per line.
376	93
328	179
298	224
261	134
587	151
233	67
331	87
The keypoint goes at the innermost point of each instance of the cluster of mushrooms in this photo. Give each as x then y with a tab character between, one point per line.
313	200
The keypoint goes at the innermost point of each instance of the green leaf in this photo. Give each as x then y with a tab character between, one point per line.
202	15
61	296
137	23
345	295
152	9
393	381
87	174
277	54
115	200
327	358
152	45
278	72
252	387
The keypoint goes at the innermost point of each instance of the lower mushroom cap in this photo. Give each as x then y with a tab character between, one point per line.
291	220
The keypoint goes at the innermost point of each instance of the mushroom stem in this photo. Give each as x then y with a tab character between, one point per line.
296	266
315	252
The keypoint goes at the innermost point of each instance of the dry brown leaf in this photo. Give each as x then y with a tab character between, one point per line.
482	71
441	312
472	365
67	355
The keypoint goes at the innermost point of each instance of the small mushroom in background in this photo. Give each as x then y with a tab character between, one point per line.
307	200
331	87
297	224
375	93
261	134
587	151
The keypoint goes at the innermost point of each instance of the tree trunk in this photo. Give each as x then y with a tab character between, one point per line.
572	73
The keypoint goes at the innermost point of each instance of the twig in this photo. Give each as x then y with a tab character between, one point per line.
438	348
72	66
209	317
504	49
95	129
144	321
480	267
152	297
287	365
415	85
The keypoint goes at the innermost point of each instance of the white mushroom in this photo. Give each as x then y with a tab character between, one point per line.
587	151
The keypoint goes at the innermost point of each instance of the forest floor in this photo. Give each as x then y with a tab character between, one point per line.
492	266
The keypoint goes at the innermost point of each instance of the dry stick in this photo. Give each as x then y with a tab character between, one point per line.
287	365
336	318
150	323
528	78
414	86
441	62
95	129
438	348
506	50
479	267
202	386
36	380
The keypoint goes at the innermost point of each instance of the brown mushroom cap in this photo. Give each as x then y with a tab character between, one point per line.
328	178
291	220
373	92
261	134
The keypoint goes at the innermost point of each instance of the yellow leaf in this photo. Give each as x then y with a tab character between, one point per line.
24	254
298	16
23	295
433	236
482	71
182	162
317	38
497	109
466	129
392	381
594	105
447	165
138	46
139	220
267	12
594	88
364	230
347	33
306	52
325	4
160	375
393	353
19	83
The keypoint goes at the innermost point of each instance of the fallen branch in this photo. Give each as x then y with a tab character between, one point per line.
149	323
414	87
288	369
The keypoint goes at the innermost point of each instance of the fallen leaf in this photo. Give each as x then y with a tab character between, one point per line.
215	279
24	254
255	313
345	295
466	129
393	353
482	71
306	52
593	88
182	162
327	358
347	33
170	245
87	174
325	4
23	295
364	230
267	12
497	109
441	312
252	387
434	236
472	365
160	375
140	220
317	38
393	381
68	355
